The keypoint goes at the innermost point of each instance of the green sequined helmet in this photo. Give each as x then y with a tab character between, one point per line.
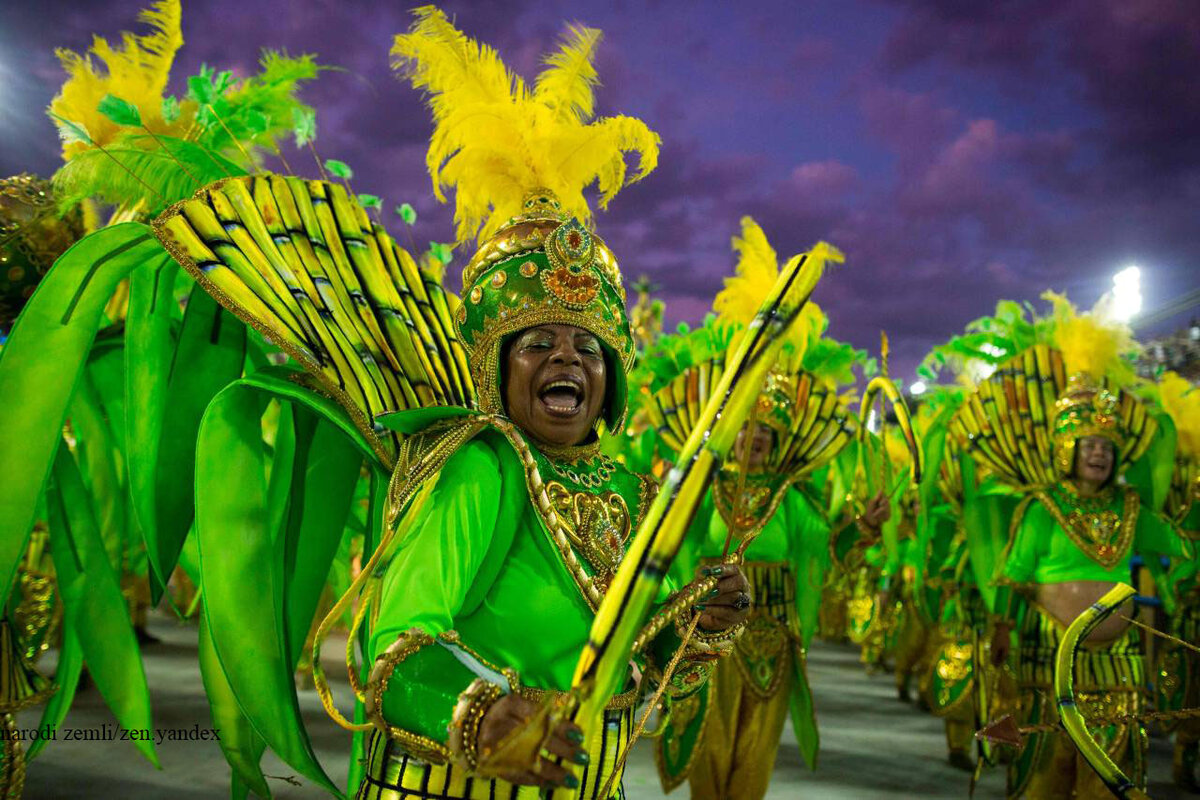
543	267
1087	409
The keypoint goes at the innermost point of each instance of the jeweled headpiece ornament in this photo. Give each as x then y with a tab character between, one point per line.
1085	409
519	160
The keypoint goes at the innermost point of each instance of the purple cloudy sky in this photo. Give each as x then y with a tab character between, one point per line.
958	152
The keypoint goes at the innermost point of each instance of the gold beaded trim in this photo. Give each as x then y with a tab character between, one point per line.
592	480
619	702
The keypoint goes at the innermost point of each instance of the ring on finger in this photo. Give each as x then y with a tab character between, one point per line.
742	602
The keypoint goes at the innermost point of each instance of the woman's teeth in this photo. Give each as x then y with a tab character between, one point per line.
561	396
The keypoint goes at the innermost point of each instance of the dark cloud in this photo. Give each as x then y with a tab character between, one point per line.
956	152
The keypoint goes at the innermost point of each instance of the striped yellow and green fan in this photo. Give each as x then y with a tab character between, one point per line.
301	262
810	420
814	431
1007	422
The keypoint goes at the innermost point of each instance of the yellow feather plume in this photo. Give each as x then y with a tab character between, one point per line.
136	71
567	83
756	271
1092	343
1181	400
494	139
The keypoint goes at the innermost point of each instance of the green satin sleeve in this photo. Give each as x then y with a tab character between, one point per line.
1021	558
456	526
1156	536
809	532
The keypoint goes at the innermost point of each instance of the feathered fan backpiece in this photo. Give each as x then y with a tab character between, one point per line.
496	139
1181	400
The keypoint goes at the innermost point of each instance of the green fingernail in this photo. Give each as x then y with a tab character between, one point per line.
574	736
571	782
699	607
714	593
581	758
713	570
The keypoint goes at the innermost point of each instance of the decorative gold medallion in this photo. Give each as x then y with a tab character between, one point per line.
574	290
597	525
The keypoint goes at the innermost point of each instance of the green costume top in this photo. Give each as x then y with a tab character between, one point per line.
797	533
478	567
1059	536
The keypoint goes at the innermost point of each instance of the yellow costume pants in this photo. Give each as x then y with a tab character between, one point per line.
741	737
1108	683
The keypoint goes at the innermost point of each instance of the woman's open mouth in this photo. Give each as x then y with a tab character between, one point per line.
562	397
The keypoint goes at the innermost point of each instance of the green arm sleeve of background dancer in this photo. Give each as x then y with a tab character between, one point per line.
809	531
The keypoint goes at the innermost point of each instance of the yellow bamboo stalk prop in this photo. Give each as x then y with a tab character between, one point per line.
603	662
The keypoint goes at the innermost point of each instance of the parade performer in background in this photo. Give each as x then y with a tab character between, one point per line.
1071	539
724	738
1178	673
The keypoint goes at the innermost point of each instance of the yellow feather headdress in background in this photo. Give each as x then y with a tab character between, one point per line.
1181	400
1092	343
754	275
136	71
494	139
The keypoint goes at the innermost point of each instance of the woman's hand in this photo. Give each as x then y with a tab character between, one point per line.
878	511
727	605
510	713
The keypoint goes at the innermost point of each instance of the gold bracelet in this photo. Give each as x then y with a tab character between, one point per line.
707	646
407	643
473	704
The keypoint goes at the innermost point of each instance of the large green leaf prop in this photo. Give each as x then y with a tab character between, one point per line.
209	355
66	678
266	537
241	745
40	365
93	605
150	338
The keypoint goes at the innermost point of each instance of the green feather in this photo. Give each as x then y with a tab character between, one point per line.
122	112
109	175
304	125
339	169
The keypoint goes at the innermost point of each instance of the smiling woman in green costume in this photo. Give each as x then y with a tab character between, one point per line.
505	523
1063	443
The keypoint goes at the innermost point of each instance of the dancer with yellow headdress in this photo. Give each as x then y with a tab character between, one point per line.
723	739
1059	416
